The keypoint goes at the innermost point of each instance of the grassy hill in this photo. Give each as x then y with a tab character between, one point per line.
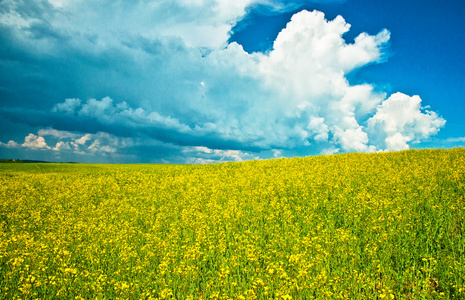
348	226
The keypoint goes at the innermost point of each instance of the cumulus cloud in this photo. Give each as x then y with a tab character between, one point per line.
402	119
35	142
84	139
69	106
310	58
277	153
87	144
329	151
317	126
131	77
308	68
106	143
62	146
109	148
397	142
10	144
353	139
202	155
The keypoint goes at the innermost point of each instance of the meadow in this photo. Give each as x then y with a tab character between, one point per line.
348	226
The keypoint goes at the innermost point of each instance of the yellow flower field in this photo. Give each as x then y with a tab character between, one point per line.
348	226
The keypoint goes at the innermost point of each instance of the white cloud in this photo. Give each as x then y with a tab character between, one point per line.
319	128
62	3
107	113
455	140
364	50
33	141
307	67
200	150
330	151
352	139
281	6
202	155
10	144
397	142
101	109
103	142
402	119
100	144
310	58
205	23
199	23
83	139
57	133
277	153
236	155
200	161
100	141
69	106
62	146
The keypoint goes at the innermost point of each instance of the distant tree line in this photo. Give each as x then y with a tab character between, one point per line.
10	161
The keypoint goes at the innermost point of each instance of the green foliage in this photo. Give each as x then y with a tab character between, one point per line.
9	161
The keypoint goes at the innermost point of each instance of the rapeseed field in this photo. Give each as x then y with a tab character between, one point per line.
348	226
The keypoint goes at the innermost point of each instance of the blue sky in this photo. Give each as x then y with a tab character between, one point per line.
228	80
